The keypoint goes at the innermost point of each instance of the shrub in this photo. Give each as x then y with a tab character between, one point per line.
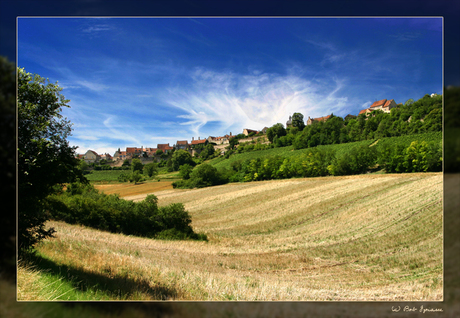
86	206
123	177
136	177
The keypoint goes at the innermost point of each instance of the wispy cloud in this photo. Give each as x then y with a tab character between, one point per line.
97	87
250	101
406	36
322	44
97	28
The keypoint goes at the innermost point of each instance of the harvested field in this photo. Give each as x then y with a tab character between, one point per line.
366	237
129	189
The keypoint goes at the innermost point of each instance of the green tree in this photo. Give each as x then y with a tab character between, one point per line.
151	169
277	130
409	102
205	175
126	163
159	152
181	157
136	165
45	159
207	152
83	165
233	142
297	121
136	177
185	171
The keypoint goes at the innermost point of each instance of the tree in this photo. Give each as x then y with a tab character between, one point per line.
126	163
297	121
185	171
159	152
136	177
276	130
136	165
181	157
233	142
207	152
409	102
205	175
151	169
45	159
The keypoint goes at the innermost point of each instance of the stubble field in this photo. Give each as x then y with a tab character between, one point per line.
366	237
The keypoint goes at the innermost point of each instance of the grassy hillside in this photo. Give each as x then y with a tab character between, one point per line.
287	152
366	237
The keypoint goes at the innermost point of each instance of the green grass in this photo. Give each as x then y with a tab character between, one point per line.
105	175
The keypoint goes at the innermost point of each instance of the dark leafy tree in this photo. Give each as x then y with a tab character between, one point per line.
45	159
151	169
207	152
136	177
276	130
409	102
136	165
181	157
185	171
233	142
205	175
297	121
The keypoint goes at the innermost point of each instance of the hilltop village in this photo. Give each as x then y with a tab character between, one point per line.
196	145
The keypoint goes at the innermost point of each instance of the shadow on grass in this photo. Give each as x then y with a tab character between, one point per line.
119	287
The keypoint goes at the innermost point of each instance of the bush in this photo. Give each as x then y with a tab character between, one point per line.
357	160
136	177
123	177
202	176
84	205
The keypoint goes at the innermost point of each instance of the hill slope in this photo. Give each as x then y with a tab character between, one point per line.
366	237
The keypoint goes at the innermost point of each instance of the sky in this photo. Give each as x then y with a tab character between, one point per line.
136	82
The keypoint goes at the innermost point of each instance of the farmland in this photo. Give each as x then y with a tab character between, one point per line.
365	237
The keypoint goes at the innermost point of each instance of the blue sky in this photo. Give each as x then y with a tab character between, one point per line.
143	81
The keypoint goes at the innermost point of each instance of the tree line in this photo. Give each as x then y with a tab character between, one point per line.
424	115
419	156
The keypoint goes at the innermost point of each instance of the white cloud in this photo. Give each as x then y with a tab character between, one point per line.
366	105
97	28
83	137
92	85
236	102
